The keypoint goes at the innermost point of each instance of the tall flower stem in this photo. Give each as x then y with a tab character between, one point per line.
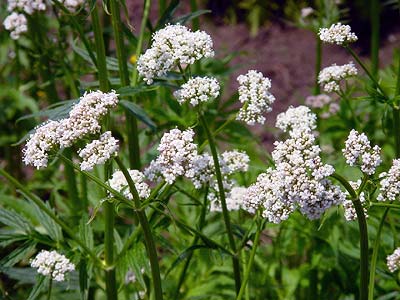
235	259
318	59
148	237
111	283
250	262
362	224
50	288
131	121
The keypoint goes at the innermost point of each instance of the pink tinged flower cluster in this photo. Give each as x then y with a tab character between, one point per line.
27	6
52	264
17	24
330	77
84	119
358	151
119	183
173	46
300	179
255	96
393	260
338	34
390	183
98	151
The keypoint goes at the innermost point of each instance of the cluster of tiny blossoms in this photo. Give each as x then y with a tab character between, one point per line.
98	151
173	46
393	260
255	96
27	6
52	264
358	151
323	102
73	5
119	183
350	213
300	177
330	77
390	183
84	119
17	24
197	90
338	34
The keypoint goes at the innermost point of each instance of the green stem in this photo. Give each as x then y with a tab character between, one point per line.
250	263
72	185
374	16
235	259
50	213
388	205
131	121
139	45
218	130
50	288
362	224
375	255
195	21
318	59
182	276
148	237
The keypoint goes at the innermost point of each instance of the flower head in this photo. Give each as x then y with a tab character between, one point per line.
255	96
330	77
52	264
17	24
338	34
119	183
73	5
198	89
28	6
98	151
390	183
393	260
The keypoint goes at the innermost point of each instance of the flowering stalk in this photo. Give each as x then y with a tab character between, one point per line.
318	59
111	284
50	288
131	121
362	224
148	237
235	260
251	261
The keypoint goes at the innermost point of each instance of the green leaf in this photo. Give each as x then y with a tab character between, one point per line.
188	17
131	91
18	254
37	288
14	220
139	113
55	112
167	15
86	232
83	279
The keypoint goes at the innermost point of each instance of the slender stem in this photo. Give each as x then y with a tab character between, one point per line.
148	237
235	259
50	213
72	185
375	255
362	224
131	121
218	130
374	17
195	21
50	288
250	263
318	59
146	10
388	205
182	276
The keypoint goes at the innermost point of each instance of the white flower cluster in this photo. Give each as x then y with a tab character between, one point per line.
234	197
17	24
200	170
176	152
119	183
255	96
349	210
234	161
84	119
73	5
393	260
27	6
330	77
338	34
358	151
98	151
390	183
52	264
198	89
323	102
172	46
300	177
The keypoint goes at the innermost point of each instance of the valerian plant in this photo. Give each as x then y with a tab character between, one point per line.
148	183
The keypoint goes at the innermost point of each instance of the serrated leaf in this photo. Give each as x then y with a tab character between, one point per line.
86	232
14	220
18	254
139	113
54	112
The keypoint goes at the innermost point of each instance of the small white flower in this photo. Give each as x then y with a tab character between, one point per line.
338	34
390	183
296	119
306	11
330	77
318	101
119	183
98	151
16	24
255	96
197	90
28	6
73	5
358	151
234	161
393	260
52	264
200	170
